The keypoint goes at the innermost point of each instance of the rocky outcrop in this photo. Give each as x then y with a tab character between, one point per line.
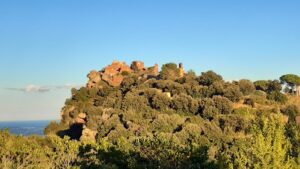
94	77
137	66
114	74
81	118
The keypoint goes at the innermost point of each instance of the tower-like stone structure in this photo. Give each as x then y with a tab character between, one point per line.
182	71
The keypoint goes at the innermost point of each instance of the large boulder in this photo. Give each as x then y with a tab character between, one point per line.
94	77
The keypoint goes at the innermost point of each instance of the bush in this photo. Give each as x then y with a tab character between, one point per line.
223	104
209	77
278	97
215	106
292	111
232	92
169	71
262	85
246	86
185	104
268	85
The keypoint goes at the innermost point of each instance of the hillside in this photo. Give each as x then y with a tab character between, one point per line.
135	116
137	106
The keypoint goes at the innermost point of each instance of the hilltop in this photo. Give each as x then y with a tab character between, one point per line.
133	116
135	101
137	105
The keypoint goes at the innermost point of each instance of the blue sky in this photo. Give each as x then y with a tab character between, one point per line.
46	47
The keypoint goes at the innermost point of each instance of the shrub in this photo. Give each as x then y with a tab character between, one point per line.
246	86
292	111
223	104
232	92
261	85
215	106
169	71
278	97
209	77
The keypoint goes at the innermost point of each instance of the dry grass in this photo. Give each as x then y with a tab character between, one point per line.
294	100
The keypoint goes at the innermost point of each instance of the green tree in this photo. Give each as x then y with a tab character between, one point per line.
209	77
246	86
278	97
274	86
261	85
268	148
233	93
292	81
169	71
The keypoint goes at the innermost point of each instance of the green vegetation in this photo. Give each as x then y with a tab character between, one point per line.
167	121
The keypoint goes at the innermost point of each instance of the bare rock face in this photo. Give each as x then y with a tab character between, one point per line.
117	67
114	73
115	80
81	118
88	135
94	77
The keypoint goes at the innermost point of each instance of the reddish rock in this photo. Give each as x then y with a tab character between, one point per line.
115	80
112	74
155	71
81	118
117	67
94	78
80	121
82	115
138	66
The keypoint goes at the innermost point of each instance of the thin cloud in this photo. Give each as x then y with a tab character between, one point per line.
42	89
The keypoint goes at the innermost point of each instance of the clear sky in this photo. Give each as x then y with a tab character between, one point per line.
46	47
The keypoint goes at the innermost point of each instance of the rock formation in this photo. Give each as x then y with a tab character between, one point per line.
81	118
138	66
114	73
94	77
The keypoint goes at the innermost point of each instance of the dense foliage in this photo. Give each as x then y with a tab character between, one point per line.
167	122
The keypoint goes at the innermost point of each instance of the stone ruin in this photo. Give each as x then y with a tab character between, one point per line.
114	73
181	70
